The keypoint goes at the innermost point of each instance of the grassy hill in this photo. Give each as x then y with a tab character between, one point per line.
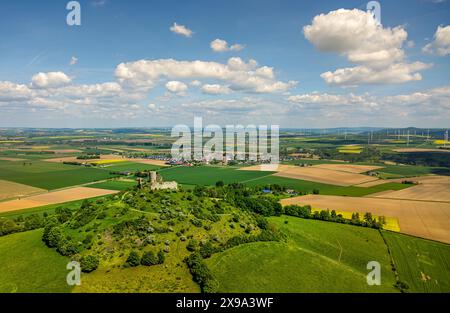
27	265
317	257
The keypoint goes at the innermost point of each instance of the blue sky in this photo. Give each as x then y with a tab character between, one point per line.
410	89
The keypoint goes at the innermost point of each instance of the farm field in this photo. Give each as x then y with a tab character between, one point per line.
419	218
351	168
424	191
10	190
49	176
114	184
209	175
325	176
28	265
317	257
325	189
108	157
54	197
131	166
406	150
422	264
11	159
48	209
398	171
319	174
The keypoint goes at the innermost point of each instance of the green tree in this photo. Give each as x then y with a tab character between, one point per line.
368	217
133	259
52	236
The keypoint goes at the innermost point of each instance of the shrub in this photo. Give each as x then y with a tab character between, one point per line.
161	257
149	258
206	250
67	248
201	273
89	263
262	222
51	236
192	245
133	259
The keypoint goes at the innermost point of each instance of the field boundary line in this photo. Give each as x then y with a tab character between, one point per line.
253	179
404	199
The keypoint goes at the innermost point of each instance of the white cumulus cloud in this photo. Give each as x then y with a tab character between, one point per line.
50	80
176	87
238	74
220	45
181	30
441	42
376	50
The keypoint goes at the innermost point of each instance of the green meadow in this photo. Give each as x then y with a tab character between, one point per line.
209	175
27	265
114	184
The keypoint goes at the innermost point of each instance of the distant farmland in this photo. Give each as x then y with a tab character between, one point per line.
47	175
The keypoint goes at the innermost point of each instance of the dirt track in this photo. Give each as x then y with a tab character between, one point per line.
419	218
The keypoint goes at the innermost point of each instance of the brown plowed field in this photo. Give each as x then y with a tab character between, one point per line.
54	197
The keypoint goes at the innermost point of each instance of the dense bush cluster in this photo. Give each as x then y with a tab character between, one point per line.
87	213
54	237
201	273
89	263
148	258
19	224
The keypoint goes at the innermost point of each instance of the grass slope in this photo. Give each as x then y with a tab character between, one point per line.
27	265
317	257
